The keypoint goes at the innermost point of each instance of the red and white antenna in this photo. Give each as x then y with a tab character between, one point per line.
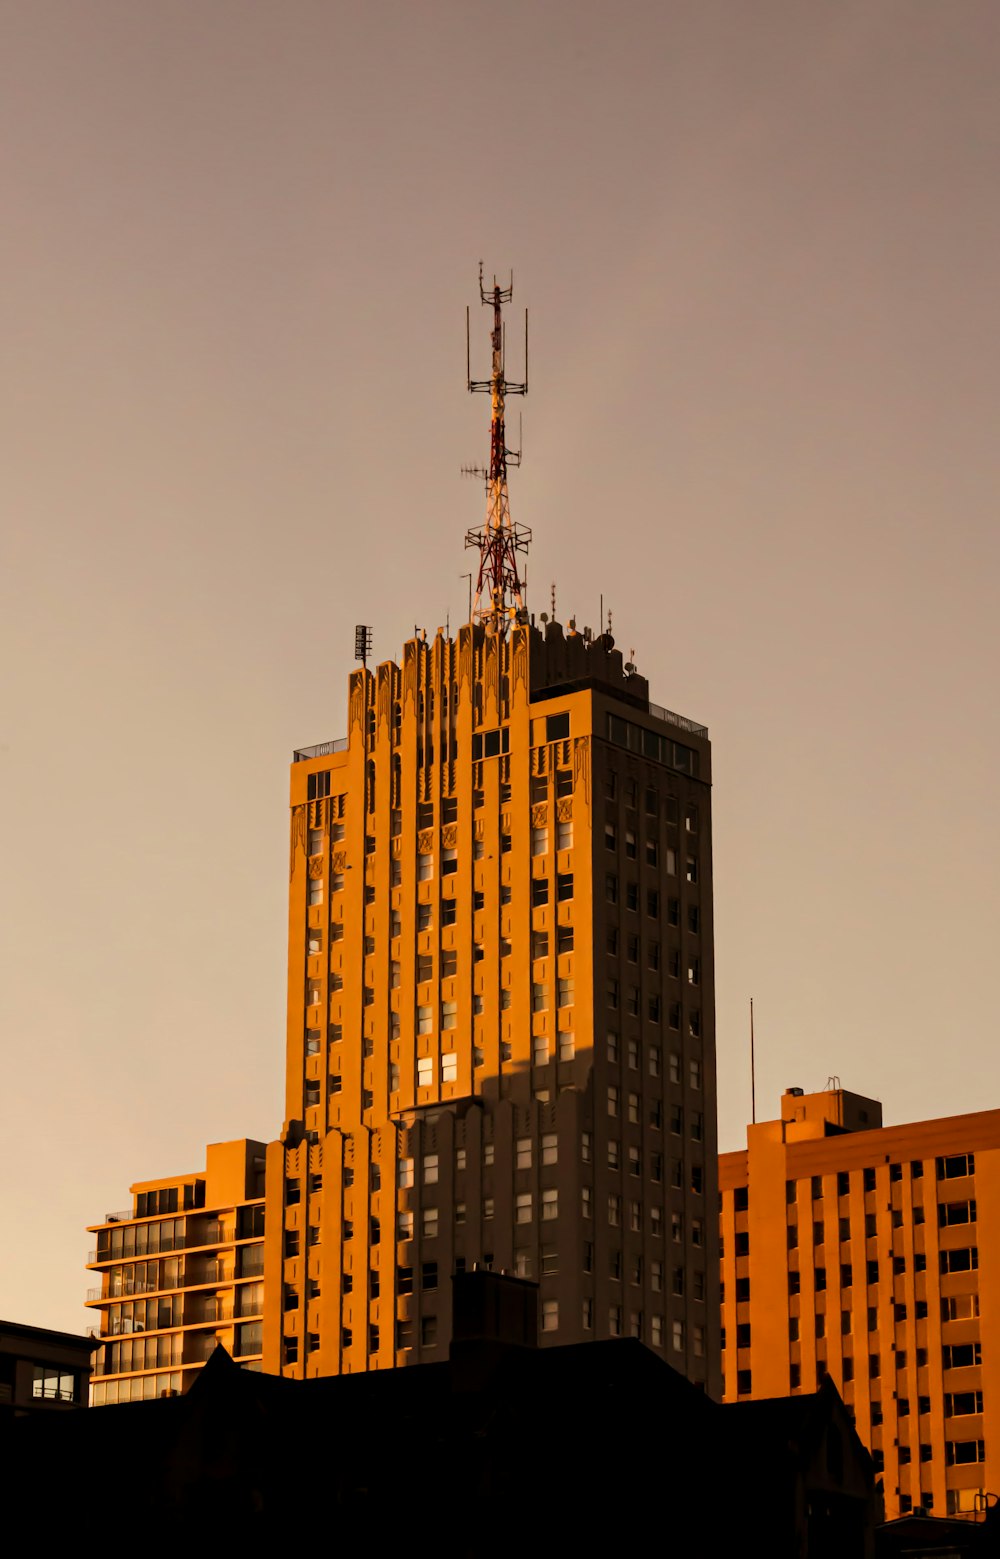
498	596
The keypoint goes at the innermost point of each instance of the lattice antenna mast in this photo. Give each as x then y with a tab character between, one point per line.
499	594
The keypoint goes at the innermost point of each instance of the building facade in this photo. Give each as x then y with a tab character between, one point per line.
180	1271
501	1021
872	1254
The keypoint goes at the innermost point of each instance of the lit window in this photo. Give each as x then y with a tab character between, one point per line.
564	994
425	867
539	996
430	1169
539	841
564	836
567	1046
316	889
677	1335
550	1315
449	1066
430	1222
522	1205
425	1071
404	1226
550	1204
550	1148
523	1153
425	1020
540	1049
449	1014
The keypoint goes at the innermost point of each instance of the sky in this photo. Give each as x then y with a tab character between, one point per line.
759	241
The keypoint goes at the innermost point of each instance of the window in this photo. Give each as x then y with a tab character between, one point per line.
956	1167
54	1385
959	1453
404	1173
587	1201
564	992
550	1148
425	1071
611	888
958	1404
425	1020
550	1204
956	1212
550	1315
960	1307
694	1074
963	1260
614	1154
430	1169
957	1356
522	1206
430	1222
564	836
540	1049
449	1014
614	1099
564	886
615	1320
449	1067
614	1209
567	1046
425	868
539	841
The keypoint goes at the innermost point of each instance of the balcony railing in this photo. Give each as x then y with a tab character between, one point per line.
214	1234
321	750
681	721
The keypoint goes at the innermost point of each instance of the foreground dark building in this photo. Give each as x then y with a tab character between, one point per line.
42	1371
505	1447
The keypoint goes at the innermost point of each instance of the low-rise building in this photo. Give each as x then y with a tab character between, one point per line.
180	1271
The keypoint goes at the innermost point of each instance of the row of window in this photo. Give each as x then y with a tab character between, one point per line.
404	1333
628	792
954	1166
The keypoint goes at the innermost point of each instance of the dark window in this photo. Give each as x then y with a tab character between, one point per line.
557	728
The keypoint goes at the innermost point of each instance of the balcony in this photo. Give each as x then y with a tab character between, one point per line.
213	1234
681	721
321	750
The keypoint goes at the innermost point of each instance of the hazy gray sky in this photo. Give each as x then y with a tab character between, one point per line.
759	240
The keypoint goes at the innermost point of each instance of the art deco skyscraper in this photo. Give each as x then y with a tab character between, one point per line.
501	1037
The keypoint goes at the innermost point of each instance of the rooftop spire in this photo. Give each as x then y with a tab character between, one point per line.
498	596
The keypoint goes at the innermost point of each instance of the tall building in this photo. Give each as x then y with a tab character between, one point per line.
501	1024
180	1271
501	1027
871	1254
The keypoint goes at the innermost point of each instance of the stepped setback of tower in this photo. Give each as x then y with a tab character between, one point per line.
500	1042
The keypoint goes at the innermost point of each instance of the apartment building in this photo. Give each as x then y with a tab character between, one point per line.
179	1271
872	1254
